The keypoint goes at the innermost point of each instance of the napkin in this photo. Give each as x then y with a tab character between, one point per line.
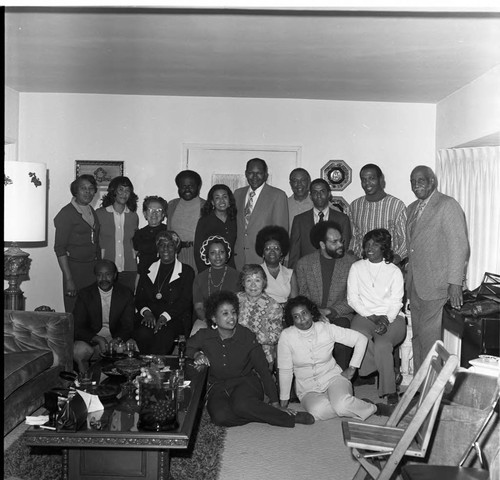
92	402
37	420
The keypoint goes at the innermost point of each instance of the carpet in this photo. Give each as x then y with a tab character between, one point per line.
202	461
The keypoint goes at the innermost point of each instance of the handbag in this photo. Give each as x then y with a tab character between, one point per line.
73	414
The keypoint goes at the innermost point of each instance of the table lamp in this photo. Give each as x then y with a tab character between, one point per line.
25	201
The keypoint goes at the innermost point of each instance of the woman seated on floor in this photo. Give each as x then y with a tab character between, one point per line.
375	289
305	349
238	370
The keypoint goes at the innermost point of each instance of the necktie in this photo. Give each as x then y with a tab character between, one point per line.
249	207
416	216
321	217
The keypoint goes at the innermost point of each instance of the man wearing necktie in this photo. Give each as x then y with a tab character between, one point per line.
438	250
300	241
258	205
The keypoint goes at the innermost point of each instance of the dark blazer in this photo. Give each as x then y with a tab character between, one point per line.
88	313
438	247
310	282
177	295
300	243
271	209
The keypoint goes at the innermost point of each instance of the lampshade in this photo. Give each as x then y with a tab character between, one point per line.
25	200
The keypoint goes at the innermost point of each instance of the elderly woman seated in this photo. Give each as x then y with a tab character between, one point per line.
164	299
272	244
305	349
238	373
258	311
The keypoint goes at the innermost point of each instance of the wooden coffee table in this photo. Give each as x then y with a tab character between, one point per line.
118	450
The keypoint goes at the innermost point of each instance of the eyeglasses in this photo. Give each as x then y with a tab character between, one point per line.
155	210
269	248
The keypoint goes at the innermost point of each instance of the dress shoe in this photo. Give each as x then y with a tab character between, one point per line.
384	410
392	398
304	418
370	380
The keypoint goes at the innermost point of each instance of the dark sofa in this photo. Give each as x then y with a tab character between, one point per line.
37	346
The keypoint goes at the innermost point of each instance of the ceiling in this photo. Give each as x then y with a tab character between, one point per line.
337	55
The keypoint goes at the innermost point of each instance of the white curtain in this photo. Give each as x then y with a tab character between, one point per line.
472	177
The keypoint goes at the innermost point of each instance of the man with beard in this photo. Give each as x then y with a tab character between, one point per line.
438	250
258	205
322	277
377	209
300	238
104	312
184	212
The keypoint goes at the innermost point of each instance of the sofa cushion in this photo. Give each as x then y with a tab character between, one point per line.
20	367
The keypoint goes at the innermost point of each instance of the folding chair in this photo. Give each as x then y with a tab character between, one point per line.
380	448
431	472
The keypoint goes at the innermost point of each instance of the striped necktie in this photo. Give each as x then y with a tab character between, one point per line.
249	207
416	215
321	216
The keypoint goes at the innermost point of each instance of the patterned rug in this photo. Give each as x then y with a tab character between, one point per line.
202	461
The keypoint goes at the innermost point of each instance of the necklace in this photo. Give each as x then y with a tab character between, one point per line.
376	275
215	285
159	295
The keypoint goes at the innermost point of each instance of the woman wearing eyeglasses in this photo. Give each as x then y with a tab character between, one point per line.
272	244
154	209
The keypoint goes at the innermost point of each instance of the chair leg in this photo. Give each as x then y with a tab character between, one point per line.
361	474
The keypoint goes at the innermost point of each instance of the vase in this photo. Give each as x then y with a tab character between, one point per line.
157	406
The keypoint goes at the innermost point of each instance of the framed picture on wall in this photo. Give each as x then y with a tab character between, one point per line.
102	170
226	163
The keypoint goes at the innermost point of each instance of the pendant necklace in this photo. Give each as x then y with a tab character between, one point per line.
158	295
216	286
376	276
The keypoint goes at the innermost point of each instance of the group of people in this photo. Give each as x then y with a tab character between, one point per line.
272	291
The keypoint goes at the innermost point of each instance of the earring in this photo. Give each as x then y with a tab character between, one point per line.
214	326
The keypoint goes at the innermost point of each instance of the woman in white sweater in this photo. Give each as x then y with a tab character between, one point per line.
305	350
375	290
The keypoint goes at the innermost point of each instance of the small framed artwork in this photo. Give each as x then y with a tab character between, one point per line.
103	171
339	203
338	174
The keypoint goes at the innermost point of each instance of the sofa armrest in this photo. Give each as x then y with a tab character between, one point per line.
52	331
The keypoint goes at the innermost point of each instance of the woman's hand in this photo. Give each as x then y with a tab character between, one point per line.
149	319
201	359
349	372
382	324
70	288
161	322
285	409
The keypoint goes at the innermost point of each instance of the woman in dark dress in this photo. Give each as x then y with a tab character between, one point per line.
218	217
164	299
238	371
154	209
76	241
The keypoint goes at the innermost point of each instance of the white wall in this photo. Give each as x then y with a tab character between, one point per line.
148	134
469	113
11	115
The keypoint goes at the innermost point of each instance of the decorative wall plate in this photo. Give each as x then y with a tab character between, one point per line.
338	174
339	203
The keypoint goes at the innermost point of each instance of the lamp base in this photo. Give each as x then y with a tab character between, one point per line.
16	263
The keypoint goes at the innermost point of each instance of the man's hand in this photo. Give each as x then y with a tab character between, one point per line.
382	325
455	295
149	319
162	321
325	311
349	372
100	342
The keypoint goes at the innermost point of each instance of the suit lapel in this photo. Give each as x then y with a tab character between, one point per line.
260	205
421	225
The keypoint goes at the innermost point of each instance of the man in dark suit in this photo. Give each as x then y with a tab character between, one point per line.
438	250
300	241
258	205
322	277
104	312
